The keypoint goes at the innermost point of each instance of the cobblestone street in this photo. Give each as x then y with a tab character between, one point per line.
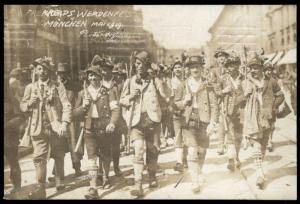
280	169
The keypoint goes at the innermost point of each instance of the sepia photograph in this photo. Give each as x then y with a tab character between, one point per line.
109	102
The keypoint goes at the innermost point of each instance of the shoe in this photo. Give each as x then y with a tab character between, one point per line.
99	181
230	164
106	184
92	194
51	179
237	164
270	148
196	188
185	165
260	182
118	172
153	182
78	172
60	187
178	167
138	190
220	150
37	194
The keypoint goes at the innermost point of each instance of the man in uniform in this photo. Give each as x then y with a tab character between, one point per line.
263	97
232	101
50	113
99	106
201	115
140	96
215	78
178	119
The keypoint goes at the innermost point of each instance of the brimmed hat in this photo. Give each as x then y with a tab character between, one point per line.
93	69
106	64
195	60
219	52
97	60
144	57
177	62
233	60
43	62
255	60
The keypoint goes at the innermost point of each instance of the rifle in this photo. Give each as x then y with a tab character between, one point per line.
82	129
26	140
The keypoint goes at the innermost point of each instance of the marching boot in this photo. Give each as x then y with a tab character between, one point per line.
116	161
92	193
39	193
59	174
100	174
106	167
259	173
230	164
194	172
137	190
76	166
15	177
152	180
270	146
179	165
221	149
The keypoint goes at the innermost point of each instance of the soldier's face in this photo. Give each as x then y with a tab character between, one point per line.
140	67
232	69
256	71
106	72
221	60
42	72
94	79
178	70
196	71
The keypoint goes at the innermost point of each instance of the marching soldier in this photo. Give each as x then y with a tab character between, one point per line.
216	77
263	97
140	96
232	100
201	114
63	76
101	112
178	119
50	113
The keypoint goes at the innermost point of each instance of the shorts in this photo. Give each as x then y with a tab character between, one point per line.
195	135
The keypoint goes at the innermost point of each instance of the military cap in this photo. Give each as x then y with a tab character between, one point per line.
195	60
220	52
43	62
144	57
93	69
15	72
62	67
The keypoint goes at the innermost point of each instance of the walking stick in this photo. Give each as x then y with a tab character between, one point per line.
132	105
82	129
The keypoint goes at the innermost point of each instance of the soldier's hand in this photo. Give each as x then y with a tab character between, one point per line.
110	128
63	129
134	93
86	102
33	100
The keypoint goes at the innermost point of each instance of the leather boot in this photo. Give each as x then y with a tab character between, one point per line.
15	177
231	164
76	166
59	174
138	174
194	172
106	167
152	180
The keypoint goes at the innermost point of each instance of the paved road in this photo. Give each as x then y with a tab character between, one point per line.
280	169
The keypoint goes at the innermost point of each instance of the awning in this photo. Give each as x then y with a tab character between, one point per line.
277	58
289	58
269	57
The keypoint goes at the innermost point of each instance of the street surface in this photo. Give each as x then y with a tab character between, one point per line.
280	167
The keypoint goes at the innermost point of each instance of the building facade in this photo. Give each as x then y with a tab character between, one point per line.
238	27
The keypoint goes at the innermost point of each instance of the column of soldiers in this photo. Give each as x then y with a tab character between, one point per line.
62	116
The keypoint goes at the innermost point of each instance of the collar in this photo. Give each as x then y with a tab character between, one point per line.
45	83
